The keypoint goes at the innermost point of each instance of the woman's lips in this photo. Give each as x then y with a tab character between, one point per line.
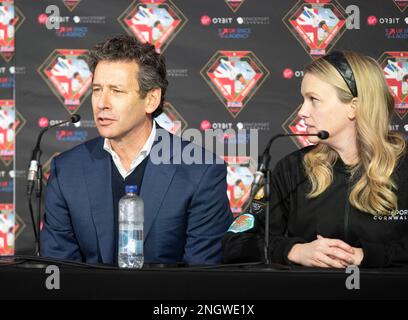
310	129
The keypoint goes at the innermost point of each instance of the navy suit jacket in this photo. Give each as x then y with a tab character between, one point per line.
186	208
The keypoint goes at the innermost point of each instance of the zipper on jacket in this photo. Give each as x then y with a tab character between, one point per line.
347	214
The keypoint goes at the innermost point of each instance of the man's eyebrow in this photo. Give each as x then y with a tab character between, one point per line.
109	85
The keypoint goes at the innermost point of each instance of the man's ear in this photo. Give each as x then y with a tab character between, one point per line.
353	109
152	99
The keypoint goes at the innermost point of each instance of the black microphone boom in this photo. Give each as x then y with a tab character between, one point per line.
35	155
34	177
264	160
263	170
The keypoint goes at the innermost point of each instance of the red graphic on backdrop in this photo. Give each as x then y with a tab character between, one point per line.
316	24
234	4
296	125
401	4
395	67
372	21
234	76
68	76
11	227
71	4
171	120
153	21
10	20
240	176
11	123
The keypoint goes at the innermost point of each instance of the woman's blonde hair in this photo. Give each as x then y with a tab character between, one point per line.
378	148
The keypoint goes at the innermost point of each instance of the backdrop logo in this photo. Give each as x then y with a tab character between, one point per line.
11	123
234	4
68	76
240	175
316	24
71	4
171	120
396	33
206	20
401	4
296	125
10	20
153	21
234	76
395	67
234	33
71	135
43	122
6	186
207	125
11	227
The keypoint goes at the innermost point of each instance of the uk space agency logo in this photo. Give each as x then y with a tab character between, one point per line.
395	67
154	21
234	76
67	74
316	24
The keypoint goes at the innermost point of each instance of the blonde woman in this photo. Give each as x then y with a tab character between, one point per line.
343	201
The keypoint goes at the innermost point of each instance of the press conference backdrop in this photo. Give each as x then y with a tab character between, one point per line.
232	64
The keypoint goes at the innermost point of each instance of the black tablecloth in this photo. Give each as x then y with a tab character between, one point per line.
27	280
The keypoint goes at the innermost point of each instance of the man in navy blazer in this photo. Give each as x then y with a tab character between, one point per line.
186	205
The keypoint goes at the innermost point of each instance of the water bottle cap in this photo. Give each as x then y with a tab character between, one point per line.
131	189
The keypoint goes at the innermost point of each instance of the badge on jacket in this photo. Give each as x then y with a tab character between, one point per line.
242	223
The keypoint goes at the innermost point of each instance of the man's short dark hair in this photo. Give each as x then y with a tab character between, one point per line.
152	65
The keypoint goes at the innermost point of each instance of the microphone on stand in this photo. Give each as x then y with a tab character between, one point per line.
34	178
264	160
36	153
263	170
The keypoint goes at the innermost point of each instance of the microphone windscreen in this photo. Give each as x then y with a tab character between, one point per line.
75	118
323	134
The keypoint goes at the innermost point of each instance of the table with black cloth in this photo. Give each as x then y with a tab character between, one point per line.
25	278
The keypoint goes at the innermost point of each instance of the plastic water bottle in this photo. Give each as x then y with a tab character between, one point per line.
131	217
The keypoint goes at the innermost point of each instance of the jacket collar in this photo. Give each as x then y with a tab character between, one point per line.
98	177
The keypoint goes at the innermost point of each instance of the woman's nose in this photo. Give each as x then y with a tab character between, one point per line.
303	111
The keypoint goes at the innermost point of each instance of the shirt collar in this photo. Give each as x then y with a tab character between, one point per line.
144	152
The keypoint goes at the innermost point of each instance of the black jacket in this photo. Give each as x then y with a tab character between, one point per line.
296	219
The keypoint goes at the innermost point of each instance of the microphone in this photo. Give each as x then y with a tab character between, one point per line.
36	153
266	157
260	175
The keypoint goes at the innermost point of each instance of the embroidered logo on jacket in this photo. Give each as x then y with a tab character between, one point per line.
242	223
